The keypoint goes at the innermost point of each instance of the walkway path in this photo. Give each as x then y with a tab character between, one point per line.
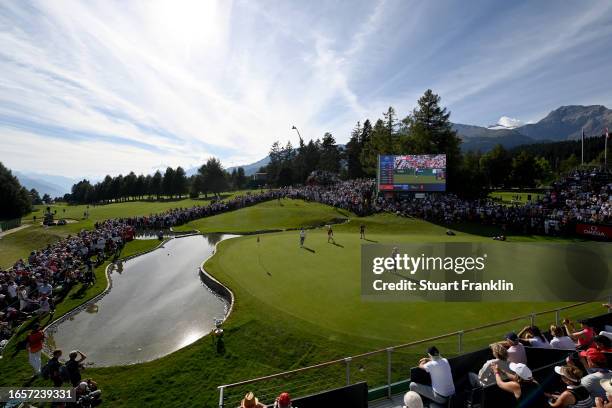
4	233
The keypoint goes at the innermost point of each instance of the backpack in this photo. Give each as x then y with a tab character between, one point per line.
64	374
46	371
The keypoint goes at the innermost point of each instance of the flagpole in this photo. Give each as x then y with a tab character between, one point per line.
582	154
607	135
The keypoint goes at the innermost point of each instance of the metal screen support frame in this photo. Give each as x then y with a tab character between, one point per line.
348	370
389	351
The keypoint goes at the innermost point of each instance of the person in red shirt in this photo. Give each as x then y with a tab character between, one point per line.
584	337
602	343
34	345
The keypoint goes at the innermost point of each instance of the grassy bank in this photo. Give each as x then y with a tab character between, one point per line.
270	215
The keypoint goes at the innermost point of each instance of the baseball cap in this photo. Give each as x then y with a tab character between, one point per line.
594	354
512	336
564	371
433	351
521	370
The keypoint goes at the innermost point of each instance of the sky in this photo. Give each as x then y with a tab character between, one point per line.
89	88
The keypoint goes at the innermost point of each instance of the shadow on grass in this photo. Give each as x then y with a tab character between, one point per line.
370	240
343	212
81	293
308	249
471	228
337	244
21	344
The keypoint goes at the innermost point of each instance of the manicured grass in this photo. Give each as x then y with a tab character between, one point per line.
508	197
278	272
296	308
21	243
270	215
116	210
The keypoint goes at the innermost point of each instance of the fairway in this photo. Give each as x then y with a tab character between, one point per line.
510	197
269	216
412	179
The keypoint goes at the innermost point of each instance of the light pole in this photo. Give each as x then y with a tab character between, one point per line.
298	132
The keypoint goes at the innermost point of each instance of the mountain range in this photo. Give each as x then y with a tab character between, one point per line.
564	123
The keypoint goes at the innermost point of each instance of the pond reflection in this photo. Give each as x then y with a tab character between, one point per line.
157	305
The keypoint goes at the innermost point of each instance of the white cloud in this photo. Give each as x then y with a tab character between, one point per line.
176	82
184	79
508	122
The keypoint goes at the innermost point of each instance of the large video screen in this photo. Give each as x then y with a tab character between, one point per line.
416	173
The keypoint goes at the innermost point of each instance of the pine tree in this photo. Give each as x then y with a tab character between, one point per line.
15	200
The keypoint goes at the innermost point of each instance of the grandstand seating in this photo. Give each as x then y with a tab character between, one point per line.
354	396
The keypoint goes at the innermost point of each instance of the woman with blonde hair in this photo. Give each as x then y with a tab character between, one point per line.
486	375
250	401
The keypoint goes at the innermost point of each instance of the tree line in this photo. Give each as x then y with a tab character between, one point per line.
427	130
210	178
15	200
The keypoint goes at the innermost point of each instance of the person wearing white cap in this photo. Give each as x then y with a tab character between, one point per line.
606	384
412	400
574	395
526	390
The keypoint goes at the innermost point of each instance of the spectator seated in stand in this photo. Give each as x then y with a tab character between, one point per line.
527	392
88	394
533	337
596	369
251	401
560	340
516	351
486	376
584	336
442	387
412	400
574	395
283	401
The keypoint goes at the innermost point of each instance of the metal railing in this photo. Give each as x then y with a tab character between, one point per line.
6	225
388	366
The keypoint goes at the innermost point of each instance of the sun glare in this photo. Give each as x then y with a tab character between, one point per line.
187	21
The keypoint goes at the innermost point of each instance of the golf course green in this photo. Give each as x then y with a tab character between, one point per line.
295	307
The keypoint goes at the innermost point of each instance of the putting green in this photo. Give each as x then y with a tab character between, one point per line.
320	284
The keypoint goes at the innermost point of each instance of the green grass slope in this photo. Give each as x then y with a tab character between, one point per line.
270	215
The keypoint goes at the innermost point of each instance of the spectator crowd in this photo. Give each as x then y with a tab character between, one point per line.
34	285
583	379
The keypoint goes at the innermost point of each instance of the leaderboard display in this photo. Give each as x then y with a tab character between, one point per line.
412	173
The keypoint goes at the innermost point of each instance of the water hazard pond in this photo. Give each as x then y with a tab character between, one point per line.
157	305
